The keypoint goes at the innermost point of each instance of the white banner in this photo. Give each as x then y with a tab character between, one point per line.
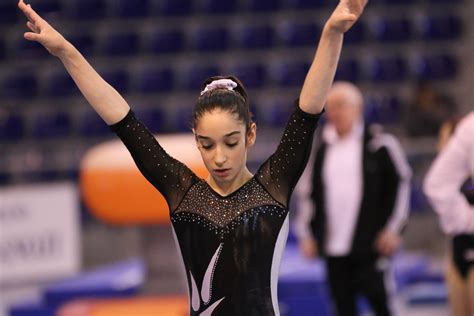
39	232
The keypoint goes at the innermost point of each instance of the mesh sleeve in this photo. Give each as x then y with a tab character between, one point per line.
280	173
171	177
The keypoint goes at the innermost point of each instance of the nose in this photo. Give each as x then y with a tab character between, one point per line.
220	156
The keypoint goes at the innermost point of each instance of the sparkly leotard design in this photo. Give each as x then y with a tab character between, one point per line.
231	245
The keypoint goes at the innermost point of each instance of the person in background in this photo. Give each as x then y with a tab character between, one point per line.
355	196
449	187
428	110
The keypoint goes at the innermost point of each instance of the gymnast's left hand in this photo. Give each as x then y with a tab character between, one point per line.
345	15
42	32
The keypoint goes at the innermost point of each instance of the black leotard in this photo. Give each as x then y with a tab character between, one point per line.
463	244
231	245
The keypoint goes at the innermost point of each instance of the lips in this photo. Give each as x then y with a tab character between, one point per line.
222	172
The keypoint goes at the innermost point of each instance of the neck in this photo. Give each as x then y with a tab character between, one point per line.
225	188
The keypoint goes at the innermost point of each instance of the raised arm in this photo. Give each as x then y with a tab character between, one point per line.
321	73
105	100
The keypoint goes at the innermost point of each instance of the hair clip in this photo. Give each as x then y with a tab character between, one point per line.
220	84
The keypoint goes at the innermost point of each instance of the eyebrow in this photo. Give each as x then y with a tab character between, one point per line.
226	135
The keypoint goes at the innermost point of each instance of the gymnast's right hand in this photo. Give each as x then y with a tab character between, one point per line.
42	32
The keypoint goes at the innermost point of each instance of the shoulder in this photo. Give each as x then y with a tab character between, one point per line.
379	139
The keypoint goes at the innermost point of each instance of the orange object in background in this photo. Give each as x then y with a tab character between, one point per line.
116	192
140	306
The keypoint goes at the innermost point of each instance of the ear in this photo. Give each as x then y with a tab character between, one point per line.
252	134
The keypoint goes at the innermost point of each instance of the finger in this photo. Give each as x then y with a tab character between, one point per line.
22	6
31	36
24	9
29	12
349	17
32	27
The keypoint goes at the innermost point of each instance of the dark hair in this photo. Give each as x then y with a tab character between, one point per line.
235	101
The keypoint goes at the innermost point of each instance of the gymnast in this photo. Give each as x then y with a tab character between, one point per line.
231	228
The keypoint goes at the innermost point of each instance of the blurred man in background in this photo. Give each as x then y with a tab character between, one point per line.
355	203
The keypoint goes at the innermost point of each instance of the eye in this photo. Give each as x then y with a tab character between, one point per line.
232	144
207	147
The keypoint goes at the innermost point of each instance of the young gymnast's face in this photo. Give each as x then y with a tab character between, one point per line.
223	141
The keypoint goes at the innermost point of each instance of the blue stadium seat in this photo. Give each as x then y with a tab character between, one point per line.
209	38
86	9
252	75
59	84
443	66
388	69
131	9
45	7
21	83
385	109
289	73
348	70
154	80
275	113
389	107
118	43
153	119
392	110
52	125
194	76
91	125
11	127
218	6
262	5
392	30
161	41
295	33
371	111
441	27
307	4
8	12
84	42
117	78
182	120
251	36
28	49
175	7
357	34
